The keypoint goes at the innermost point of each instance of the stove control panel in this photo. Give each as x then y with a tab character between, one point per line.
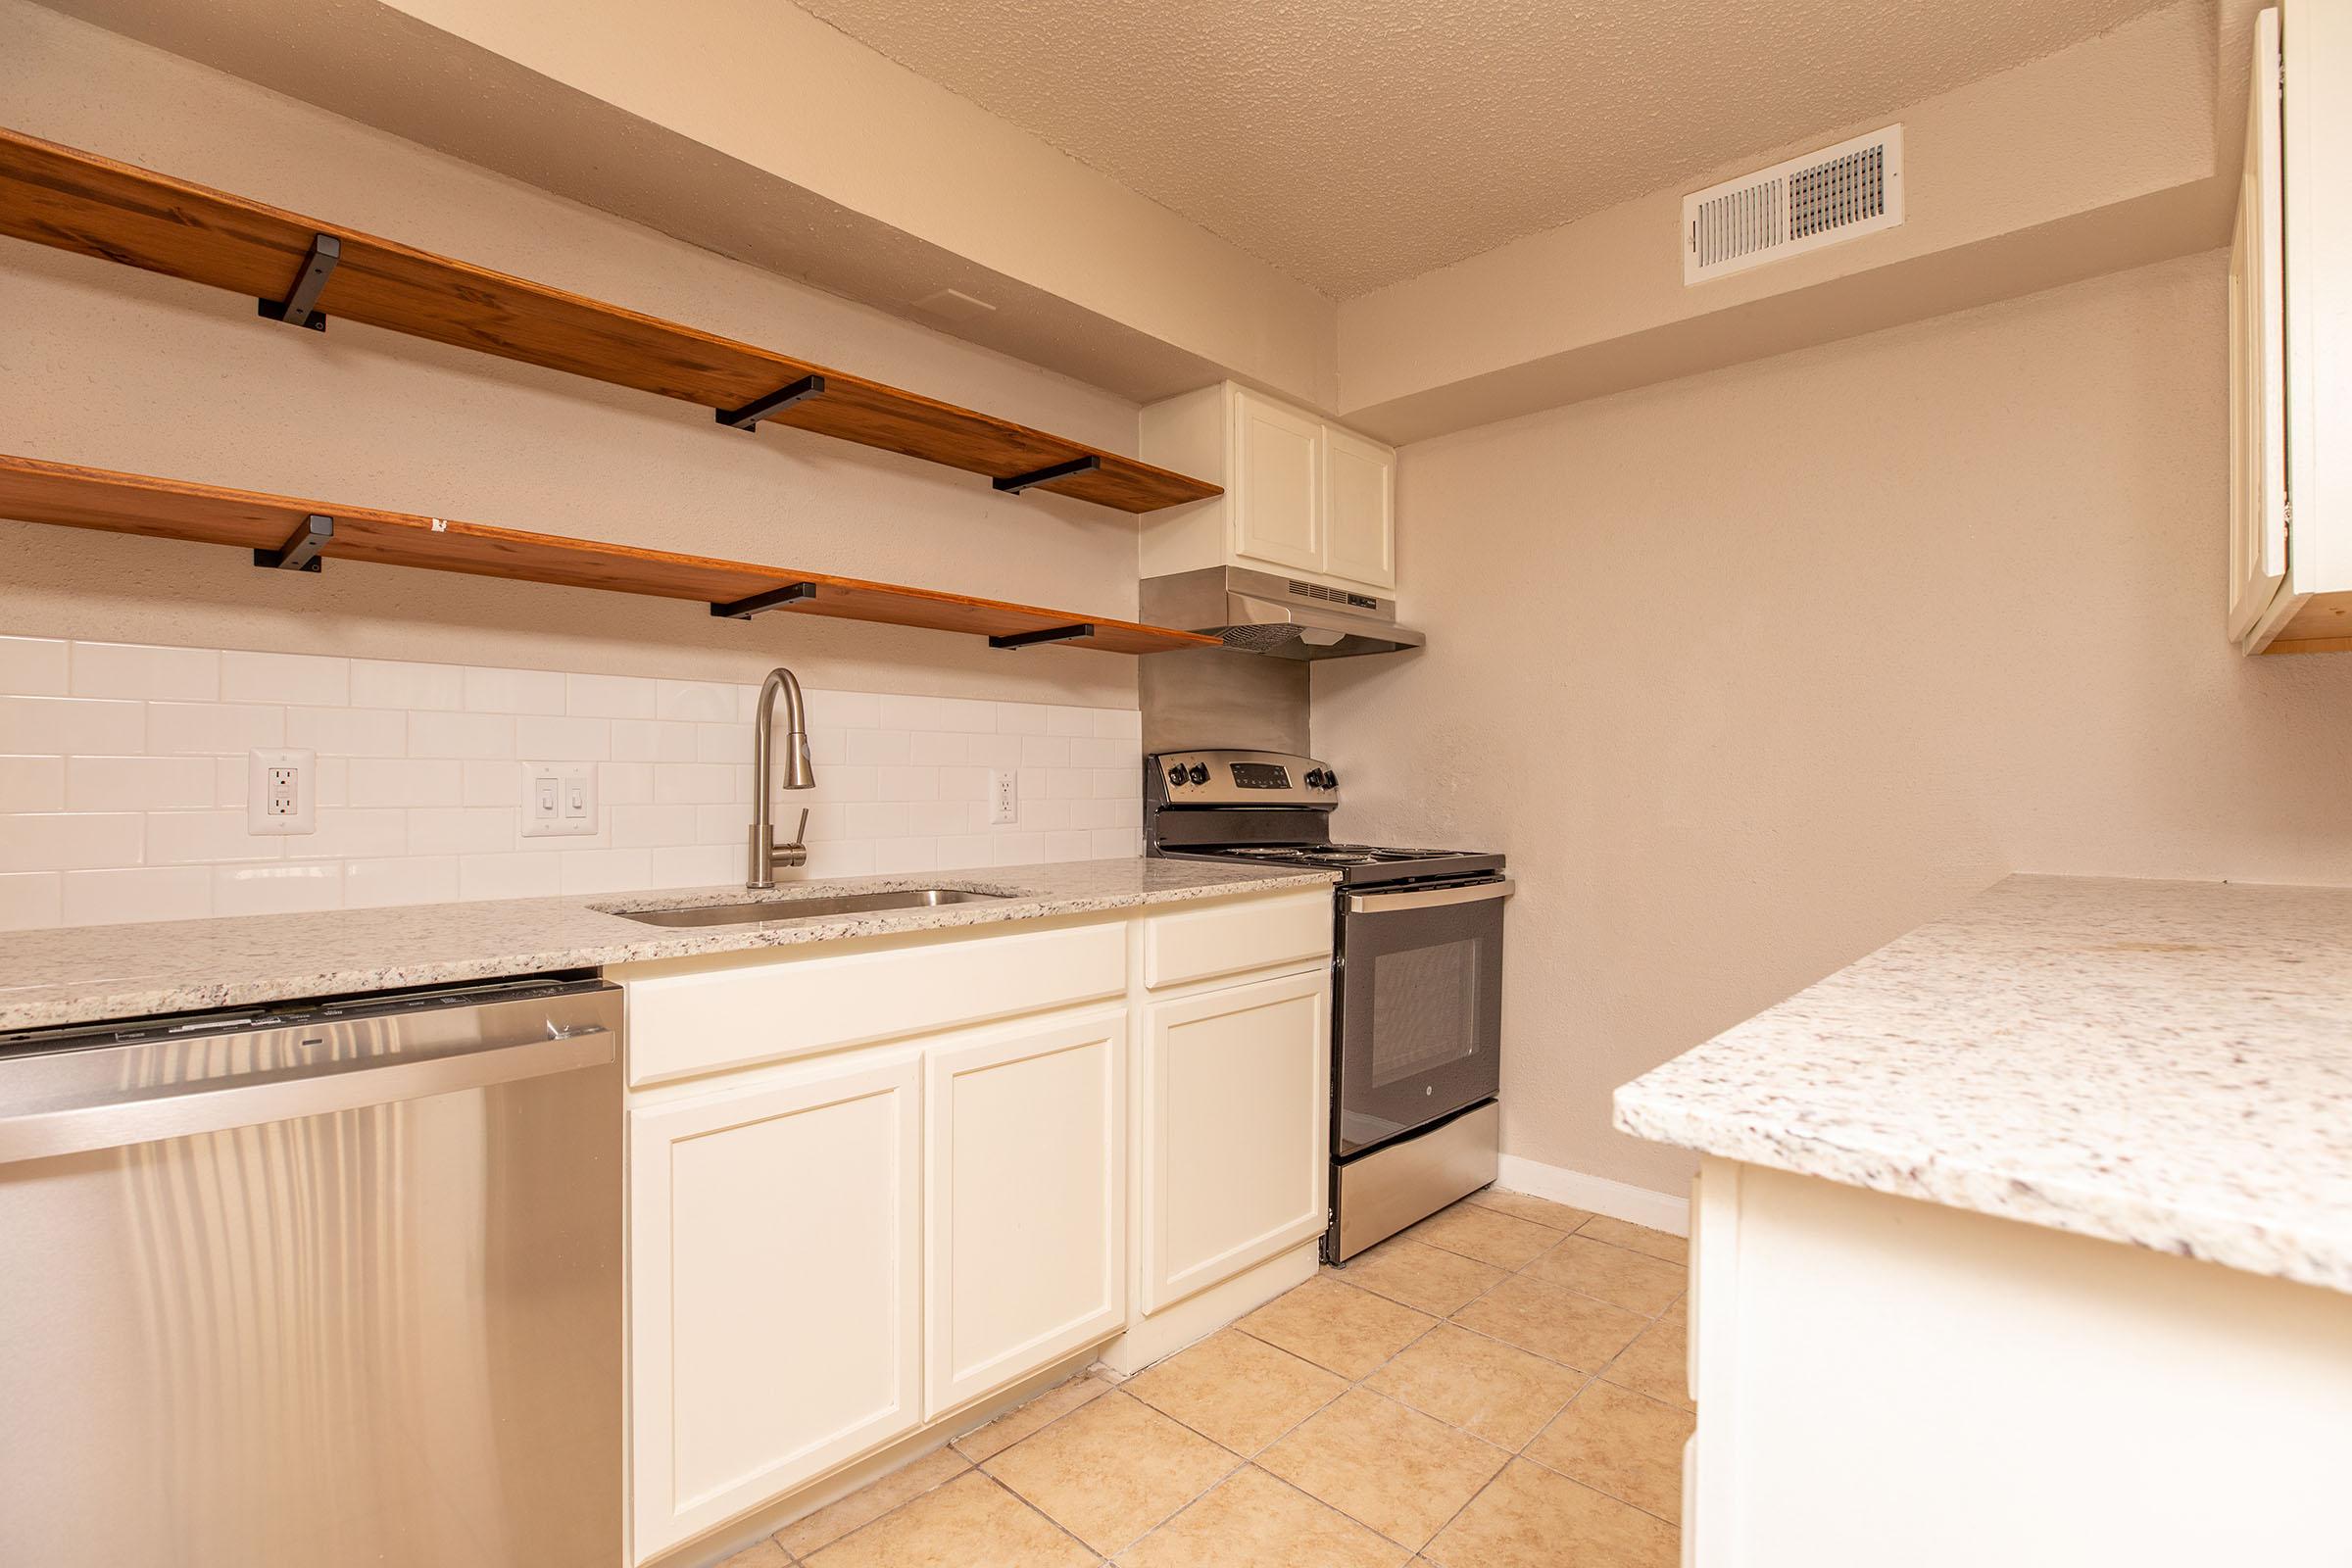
1238	779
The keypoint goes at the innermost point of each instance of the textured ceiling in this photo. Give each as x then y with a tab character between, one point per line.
1352	145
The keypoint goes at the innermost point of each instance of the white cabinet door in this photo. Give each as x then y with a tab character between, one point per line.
1359	529
1233	1128
1276	492
2258	541
775	1256
1027	1161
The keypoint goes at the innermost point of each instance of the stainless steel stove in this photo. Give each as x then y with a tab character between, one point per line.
1417	979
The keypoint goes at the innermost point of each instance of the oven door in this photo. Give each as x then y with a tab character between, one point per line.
1420	1013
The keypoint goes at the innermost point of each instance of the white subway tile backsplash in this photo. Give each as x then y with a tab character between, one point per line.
35	725
32	666
139	783
135	669
508	876
610	696
461	735
563	740
417	781
405	879
33	783
512	691
881	747
607	870
292	889
138	892
29	900
210	729
314	679
640	740
1045	751
69	841
123	766
393	683
463	829
907	783
350	731
202	838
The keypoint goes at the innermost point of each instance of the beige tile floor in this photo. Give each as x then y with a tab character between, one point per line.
1500	1386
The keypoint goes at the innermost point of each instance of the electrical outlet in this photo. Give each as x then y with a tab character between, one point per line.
559	800
282	792
1004	796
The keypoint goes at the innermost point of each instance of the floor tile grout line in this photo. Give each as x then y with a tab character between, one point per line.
1006	1487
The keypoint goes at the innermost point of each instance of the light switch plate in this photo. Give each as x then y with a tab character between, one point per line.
282	792
559	800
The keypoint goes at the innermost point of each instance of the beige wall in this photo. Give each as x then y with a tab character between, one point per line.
1752	671
106	365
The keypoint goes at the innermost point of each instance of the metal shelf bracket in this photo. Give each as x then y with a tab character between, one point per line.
1045	634
301	552
748	416
1059	471
298	308
792	593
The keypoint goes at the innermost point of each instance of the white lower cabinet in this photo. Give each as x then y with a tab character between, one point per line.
1026	1152
1232	1154
775	1272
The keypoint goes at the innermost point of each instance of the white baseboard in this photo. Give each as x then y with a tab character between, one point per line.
1636	1206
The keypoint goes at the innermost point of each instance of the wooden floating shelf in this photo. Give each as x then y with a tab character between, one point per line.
281	531
77	201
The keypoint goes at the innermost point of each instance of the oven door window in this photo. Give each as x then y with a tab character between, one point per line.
1420	1017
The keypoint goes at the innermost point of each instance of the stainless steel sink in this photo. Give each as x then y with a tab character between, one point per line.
770	912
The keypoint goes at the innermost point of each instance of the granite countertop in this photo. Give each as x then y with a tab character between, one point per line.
2163	1063
90	973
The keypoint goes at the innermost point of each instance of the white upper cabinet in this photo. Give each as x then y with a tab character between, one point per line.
1277	486
1359	526
2290	340
1303	496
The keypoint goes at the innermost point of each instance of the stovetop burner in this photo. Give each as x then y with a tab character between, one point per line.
1272	807
1326	854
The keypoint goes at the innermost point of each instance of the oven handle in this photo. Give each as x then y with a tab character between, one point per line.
1426	898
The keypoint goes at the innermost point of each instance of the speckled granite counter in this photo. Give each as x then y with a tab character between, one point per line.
2163	1063
86	973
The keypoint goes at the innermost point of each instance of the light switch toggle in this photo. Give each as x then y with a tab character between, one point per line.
559	800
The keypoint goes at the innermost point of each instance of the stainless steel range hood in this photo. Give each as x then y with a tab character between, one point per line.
1266	612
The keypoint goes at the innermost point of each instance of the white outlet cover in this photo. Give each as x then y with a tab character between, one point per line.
282	792
559	800
1003	797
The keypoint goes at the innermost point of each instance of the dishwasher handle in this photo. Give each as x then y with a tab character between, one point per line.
148	1113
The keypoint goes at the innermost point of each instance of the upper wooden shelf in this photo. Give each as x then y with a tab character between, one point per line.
60	493
77	201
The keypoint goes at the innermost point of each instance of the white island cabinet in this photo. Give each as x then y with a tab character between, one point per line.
2027	1240
880	1188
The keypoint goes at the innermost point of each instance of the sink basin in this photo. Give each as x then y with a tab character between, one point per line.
770	912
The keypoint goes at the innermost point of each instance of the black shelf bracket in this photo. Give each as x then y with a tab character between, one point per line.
1059	471
792	593
300	553
298	308
1046	634
748	416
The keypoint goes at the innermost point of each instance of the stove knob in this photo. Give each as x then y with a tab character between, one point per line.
1199	774
1314	778
1176	774
1331	781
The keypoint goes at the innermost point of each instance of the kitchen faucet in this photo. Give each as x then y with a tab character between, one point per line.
799	775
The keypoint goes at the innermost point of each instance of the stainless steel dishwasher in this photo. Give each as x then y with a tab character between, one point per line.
321	1285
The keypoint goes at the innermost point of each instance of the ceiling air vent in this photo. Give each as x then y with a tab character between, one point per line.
1839	193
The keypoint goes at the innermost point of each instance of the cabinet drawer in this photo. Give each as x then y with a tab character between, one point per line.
1230	938
697	1015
